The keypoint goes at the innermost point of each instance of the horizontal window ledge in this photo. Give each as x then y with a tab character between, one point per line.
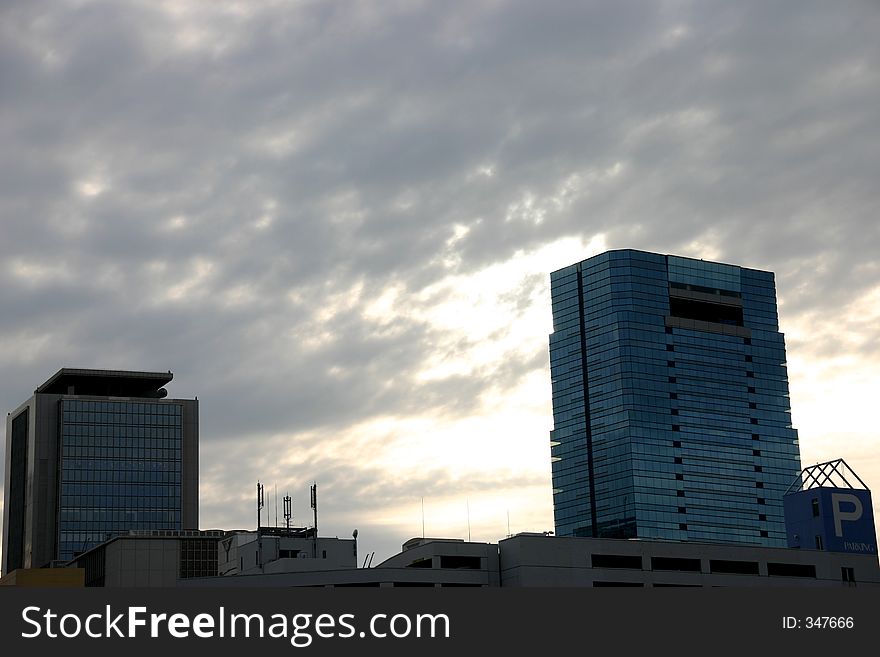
705	296
710	327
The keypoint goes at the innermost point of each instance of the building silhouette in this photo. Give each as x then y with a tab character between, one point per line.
92	454
670	401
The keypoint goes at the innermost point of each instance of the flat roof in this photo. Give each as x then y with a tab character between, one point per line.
105	383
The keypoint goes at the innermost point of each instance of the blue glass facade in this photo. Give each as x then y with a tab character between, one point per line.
670	401
120	469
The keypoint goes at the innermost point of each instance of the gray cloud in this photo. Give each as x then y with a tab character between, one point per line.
268	164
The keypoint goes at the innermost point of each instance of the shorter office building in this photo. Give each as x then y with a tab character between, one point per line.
165	558
288	558
541	560
423	562
92	454
469	564
282	550
150	558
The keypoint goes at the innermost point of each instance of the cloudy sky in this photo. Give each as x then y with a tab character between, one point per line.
334	222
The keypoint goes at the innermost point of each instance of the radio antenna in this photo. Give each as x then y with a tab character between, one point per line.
260	504
288	513
314	491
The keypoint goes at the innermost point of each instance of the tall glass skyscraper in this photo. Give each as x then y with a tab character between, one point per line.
92	454
670	401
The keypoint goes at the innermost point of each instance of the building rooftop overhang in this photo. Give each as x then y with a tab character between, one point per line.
106	383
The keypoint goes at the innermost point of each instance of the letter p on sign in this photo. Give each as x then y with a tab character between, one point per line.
840	515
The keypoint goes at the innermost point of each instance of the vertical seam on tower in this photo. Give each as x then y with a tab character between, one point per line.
589	432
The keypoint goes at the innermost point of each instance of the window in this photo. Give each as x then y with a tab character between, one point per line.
706	311
733	567
457	584
198	558
819	542
412	584
675	563
791	570
633	562
660	585
360	585
460	562
814	503
625	584
848	574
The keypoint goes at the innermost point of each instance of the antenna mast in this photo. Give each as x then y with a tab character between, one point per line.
288	513
259	504
314	492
